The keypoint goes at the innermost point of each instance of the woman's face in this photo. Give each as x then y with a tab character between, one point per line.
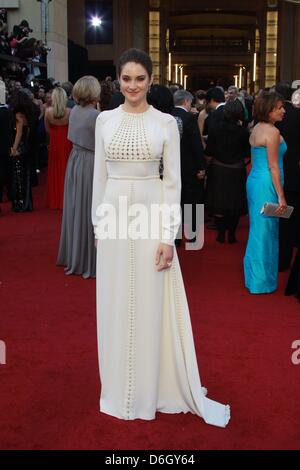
134	83
49	98
41	94
278	113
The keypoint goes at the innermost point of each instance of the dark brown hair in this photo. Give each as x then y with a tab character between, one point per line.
264	105
234	111
105	95
137	56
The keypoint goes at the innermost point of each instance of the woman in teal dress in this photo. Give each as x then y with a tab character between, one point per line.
265	184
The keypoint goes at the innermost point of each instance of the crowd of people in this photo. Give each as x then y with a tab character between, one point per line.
44	135
214	127
156	144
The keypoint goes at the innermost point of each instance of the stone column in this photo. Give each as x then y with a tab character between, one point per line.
139	11
58	40
262	20
123	27
289	41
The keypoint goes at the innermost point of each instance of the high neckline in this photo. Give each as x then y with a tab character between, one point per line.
135	114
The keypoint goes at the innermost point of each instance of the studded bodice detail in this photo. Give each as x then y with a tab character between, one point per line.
130	140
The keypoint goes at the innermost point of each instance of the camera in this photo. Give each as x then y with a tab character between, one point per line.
42	47
25	30
46	48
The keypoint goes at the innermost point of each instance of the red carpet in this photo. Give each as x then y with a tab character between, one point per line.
49	387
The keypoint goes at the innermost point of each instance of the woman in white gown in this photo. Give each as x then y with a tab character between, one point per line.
146	349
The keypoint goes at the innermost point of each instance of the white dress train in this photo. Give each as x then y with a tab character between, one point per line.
146	348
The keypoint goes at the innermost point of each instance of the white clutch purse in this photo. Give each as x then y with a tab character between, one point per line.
269	209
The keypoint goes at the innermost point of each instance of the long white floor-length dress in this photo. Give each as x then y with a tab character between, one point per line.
146	349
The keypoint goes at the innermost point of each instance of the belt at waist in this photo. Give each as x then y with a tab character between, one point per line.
79	147
124	177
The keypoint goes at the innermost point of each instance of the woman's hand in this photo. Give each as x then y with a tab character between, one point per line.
14	152
200	174
282	205
164	256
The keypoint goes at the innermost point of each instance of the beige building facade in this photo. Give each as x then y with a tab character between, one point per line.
56	36
251	43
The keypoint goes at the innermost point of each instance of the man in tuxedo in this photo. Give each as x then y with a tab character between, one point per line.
233	93
193	163
289	229
215	98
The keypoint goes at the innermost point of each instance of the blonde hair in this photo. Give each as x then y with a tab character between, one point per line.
86	90
296	98
59	102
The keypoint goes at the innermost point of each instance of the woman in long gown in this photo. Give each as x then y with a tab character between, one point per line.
77	248
56	125
146	350
265	184
23	151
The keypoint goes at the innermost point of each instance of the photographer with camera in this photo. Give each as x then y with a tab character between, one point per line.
23	46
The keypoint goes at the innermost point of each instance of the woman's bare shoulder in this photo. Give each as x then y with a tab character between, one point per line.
263	133
20	118
49	111
271	131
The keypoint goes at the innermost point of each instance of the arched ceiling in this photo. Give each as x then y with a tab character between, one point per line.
212	43
219	17
220	29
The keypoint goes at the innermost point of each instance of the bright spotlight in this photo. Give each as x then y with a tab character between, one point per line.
96	21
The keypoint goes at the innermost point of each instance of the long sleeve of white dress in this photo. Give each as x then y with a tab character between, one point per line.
171	183
100	172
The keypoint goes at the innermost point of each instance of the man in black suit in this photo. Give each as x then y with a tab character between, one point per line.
5	143
215	98
193	163
289	229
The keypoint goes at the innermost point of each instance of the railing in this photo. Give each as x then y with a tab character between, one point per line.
17	60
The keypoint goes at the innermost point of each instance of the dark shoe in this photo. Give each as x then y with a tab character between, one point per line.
232	224
284	263
220	238
220	223
282	269
231	238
